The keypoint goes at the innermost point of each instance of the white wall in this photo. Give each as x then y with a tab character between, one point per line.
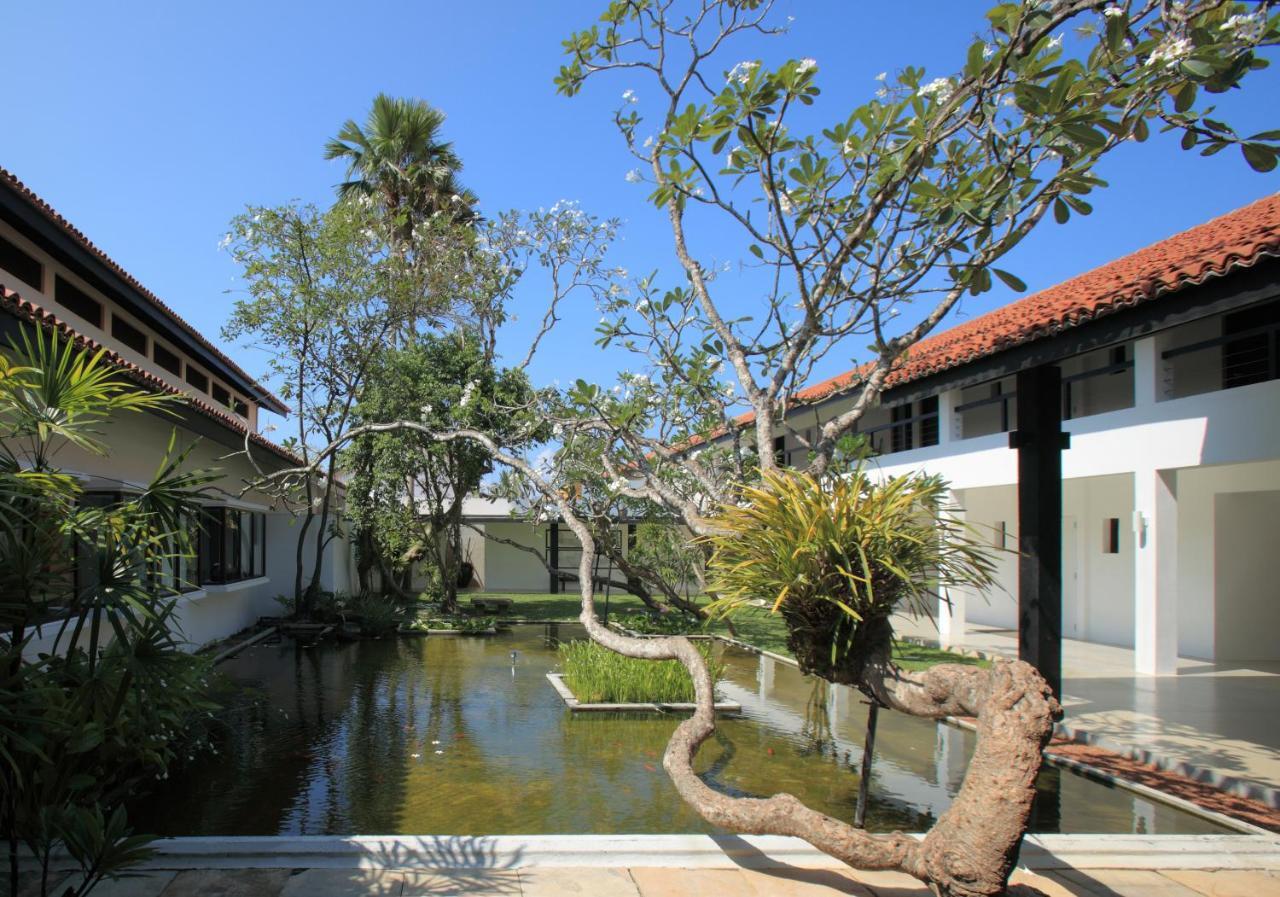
1247	592
1198	493
508	569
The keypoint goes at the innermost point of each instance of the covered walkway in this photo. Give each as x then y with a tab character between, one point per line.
1215	722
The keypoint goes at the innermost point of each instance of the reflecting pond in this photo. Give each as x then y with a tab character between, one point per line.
451	735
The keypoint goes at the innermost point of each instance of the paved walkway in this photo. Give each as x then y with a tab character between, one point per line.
1213	722
670	882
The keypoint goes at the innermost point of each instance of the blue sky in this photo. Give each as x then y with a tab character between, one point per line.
150	125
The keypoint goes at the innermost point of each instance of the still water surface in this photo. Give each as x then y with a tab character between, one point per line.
447	735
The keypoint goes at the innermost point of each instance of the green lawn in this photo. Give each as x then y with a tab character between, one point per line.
763	630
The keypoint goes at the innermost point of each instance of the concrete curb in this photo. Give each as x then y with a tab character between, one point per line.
444	852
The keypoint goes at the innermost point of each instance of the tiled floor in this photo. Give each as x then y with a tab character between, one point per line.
1218	717
669	882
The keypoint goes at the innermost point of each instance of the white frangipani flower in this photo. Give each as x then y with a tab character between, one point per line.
807	64
629	96
1112	11
633	176
742	71
883	76
939	88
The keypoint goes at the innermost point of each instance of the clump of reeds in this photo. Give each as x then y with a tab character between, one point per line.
597	675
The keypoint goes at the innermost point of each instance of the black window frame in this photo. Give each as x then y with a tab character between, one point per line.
221	395
233	545
193	375
77	301
127	332
162	355
21	264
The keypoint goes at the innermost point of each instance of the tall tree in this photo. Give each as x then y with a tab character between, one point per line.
905	202
398	161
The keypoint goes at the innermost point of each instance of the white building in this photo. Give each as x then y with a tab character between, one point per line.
52	276
1170	370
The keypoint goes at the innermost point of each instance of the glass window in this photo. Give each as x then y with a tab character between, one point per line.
131	336
232	545
76	300
21	264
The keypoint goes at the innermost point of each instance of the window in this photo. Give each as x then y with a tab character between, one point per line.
166	359
929	421
197	379
780	450
131	336
77	301
1253	354
1111	535
1000	535
241	407
901	436
221	395
21	265
233	545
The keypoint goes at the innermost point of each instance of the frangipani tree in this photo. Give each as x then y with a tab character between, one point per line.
893	209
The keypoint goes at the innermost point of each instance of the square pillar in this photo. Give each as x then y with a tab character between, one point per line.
1040	442
948	420
1155	572
951	604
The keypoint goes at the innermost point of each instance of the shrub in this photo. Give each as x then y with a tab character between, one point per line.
597	675
674	623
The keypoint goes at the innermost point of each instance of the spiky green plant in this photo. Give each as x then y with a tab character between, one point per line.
837	557
597	675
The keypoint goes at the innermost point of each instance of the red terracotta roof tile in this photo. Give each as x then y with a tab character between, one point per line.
1235	240
265	395
1229	242
24	309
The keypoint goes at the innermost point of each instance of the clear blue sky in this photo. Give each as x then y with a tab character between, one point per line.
150	125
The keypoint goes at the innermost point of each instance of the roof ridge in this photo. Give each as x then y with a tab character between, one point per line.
57	218
21	307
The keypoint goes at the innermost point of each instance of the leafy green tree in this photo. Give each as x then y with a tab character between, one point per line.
325	296
408	490
113	704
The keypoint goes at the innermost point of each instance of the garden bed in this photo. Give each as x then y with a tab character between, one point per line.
558	683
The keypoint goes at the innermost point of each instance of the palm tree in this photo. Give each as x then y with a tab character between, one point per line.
398	160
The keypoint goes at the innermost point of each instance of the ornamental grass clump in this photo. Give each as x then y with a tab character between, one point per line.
597	675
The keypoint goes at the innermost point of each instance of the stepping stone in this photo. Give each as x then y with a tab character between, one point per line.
1124	883
667	882
141	884
797	882
1228	882
588	881
343	883
227	883
479	883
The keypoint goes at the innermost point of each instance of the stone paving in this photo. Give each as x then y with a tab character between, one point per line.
669	882
1215	722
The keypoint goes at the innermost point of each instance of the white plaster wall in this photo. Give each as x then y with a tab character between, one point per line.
1247	593
136	445
983	510
1198	544
508	569
1098	599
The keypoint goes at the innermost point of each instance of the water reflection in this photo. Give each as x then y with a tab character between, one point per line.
465	736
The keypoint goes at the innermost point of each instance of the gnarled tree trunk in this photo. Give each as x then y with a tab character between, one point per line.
971	850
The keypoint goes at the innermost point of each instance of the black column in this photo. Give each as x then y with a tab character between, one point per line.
1039	440
553	555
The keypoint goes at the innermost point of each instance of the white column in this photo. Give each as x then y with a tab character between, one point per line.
1148	372
951	603
948	420
1155	572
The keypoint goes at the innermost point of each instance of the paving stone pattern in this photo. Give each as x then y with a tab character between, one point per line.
666	882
